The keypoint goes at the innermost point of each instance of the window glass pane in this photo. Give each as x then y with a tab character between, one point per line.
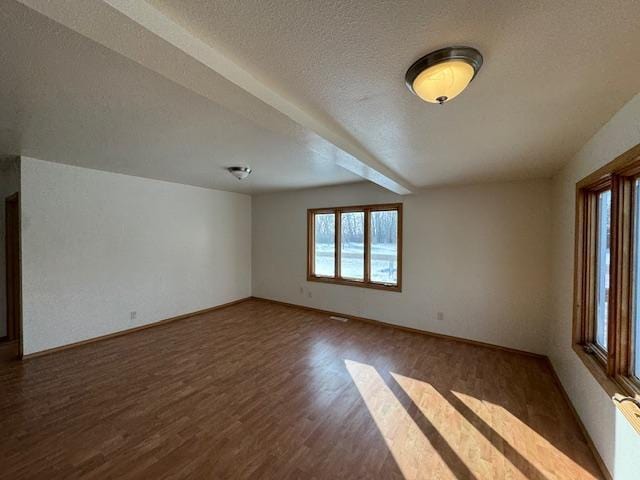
635	324
352	245
324	247
602	267
384	246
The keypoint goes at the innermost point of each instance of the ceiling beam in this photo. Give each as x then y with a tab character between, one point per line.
122	25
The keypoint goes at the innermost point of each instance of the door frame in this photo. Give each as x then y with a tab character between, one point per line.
14	325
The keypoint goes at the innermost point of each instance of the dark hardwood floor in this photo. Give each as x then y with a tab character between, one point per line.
9	350
259	390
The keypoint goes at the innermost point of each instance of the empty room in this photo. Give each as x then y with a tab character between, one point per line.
297	239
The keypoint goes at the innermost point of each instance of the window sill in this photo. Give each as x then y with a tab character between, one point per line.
355	283
610	385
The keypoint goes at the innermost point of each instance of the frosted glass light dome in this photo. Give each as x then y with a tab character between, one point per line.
442	75
444	81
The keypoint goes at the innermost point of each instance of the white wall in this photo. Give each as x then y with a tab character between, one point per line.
627	455
479	254
592	403
9	184
98	245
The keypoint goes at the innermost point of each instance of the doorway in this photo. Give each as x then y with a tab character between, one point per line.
13	347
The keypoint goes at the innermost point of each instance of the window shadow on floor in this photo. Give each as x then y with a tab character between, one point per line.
500	444
522	385
410	437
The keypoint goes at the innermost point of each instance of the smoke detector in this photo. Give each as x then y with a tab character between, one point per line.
239	172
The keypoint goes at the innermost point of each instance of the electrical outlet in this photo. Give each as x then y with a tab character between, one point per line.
134	315
309	294
440	316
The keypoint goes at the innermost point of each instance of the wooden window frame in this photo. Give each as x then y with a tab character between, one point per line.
613	368
337	279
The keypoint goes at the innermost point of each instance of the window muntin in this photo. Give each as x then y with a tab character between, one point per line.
324	245
352	245
603	260
359	260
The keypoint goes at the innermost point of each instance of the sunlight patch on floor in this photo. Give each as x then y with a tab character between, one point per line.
518	433
504	445
411	450
453	427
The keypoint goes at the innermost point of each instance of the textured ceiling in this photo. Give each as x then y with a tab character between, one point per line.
66	98
554	72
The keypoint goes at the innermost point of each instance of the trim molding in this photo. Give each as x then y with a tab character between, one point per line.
404	329
132	330
592	446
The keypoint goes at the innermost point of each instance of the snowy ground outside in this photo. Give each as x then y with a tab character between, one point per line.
384	264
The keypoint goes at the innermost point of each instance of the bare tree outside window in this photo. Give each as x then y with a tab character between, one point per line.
384	246
325	247
352	245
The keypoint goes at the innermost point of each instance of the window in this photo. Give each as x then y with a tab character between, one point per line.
384	246
635	324
352	245
603	247
369	240
325	247
606	333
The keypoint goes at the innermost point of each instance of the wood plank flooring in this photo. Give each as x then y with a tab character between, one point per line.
259	390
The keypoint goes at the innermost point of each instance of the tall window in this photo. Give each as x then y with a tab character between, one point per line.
369	240
603	247
352	245
635	324
606	332
384	246
325	247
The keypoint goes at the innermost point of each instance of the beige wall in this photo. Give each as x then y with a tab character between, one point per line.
479	254
592	403
97	246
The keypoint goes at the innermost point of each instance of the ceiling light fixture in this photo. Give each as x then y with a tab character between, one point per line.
239	172
442	75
